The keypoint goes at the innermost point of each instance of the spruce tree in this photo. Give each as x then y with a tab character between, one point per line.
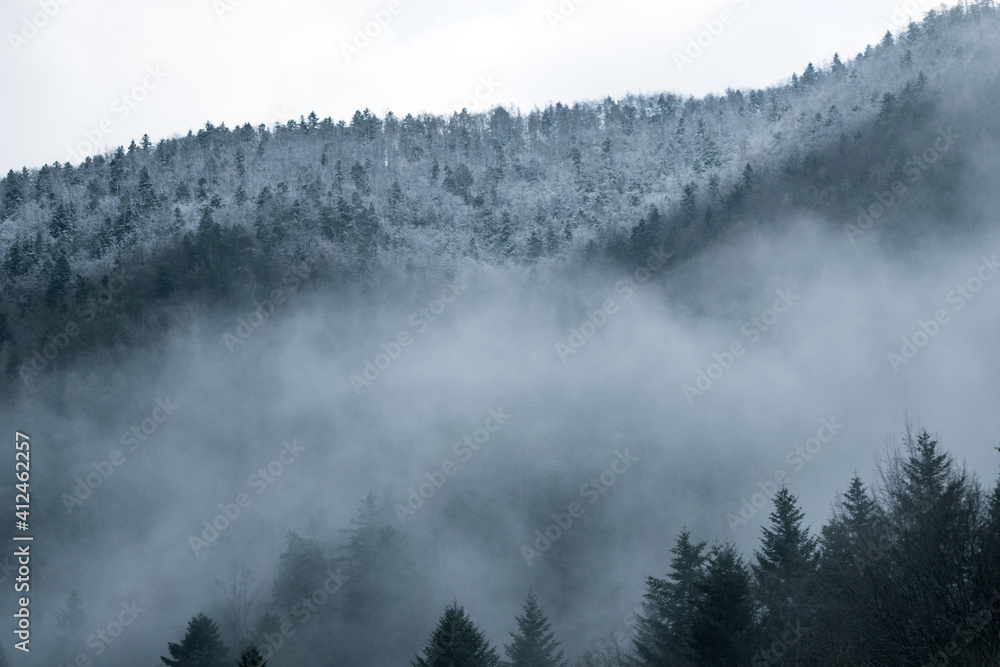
12	195
850	531
786	550
809	76
5	331
457	642
849	544
251	657
921	577
201	647
145	192
534	645
784	567
926	473
664	630
379	586
59	283
73	617
991	541
301	571
722	628
63	220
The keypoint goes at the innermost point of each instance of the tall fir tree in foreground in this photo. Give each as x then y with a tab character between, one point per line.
783	569
664	631
201	647
848	545
457	642
923	580
722	632
850	531
534	644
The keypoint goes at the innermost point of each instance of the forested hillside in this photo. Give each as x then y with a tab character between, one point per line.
534	388
220	214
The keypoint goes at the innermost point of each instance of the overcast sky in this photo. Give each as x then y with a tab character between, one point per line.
181	63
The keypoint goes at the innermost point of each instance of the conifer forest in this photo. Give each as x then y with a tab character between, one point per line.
648	380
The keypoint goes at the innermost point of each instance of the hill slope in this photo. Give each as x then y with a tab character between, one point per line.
899	132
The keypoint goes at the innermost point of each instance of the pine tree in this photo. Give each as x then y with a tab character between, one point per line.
786	547
784	567
991	541
664	630
201	647
379	586
145	192
722	628
689	203
851	529
919	577
849	541
12	195
644	236
926	472
5	332
73	617
3	657
534	645
749	179
708	150
251	657
63	220
301	571
809	76
457	642
59	283
371	546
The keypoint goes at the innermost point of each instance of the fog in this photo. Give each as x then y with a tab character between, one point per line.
507	352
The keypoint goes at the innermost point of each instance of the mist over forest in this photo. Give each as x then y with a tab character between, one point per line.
691	374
